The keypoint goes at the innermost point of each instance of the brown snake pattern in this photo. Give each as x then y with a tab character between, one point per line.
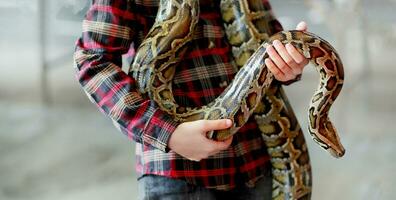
252	92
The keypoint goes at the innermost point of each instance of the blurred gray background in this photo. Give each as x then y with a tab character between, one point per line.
55	144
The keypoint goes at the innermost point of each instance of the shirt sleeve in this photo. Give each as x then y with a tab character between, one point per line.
276	26
109	28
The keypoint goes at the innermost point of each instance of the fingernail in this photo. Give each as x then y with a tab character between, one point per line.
228	122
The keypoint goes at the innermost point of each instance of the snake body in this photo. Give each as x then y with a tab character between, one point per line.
252	91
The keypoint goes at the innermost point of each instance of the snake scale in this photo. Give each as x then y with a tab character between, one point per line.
252	92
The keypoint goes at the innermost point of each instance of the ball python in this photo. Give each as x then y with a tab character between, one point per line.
252	92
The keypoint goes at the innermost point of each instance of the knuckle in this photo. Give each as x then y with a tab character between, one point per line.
276	73
278	76
290	62
284	68
274	70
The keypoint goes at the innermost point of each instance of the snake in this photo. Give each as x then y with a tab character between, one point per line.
253	91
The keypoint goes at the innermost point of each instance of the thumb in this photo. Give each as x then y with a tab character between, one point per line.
302	26
218	124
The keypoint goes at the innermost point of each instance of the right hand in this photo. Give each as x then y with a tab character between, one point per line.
189	139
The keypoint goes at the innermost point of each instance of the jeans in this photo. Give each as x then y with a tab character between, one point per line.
152	187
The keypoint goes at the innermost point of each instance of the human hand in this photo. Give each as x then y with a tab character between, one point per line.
189	139
285	61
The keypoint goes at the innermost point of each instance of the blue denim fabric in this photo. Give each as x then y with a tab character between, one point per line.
152	187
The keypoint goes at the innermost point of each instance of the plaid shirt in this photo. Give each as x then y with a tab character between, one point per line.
109	29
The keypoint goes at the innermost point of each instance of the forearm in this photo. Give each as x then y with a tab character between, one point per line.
107	34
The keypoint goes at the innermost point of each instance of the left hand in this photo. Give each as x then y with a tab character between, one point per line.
284	61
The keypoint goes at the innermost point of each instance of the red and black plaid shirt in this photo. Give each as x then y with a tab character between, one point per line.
109	29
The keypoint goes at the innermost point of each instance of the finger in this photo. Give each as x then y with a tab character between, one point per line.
295	54
226	143
280	48
279	63
302	26
219	124
221	145
279	75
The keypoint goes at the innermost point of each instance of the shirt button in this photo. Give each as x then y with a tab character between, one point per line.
211	45
223	84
